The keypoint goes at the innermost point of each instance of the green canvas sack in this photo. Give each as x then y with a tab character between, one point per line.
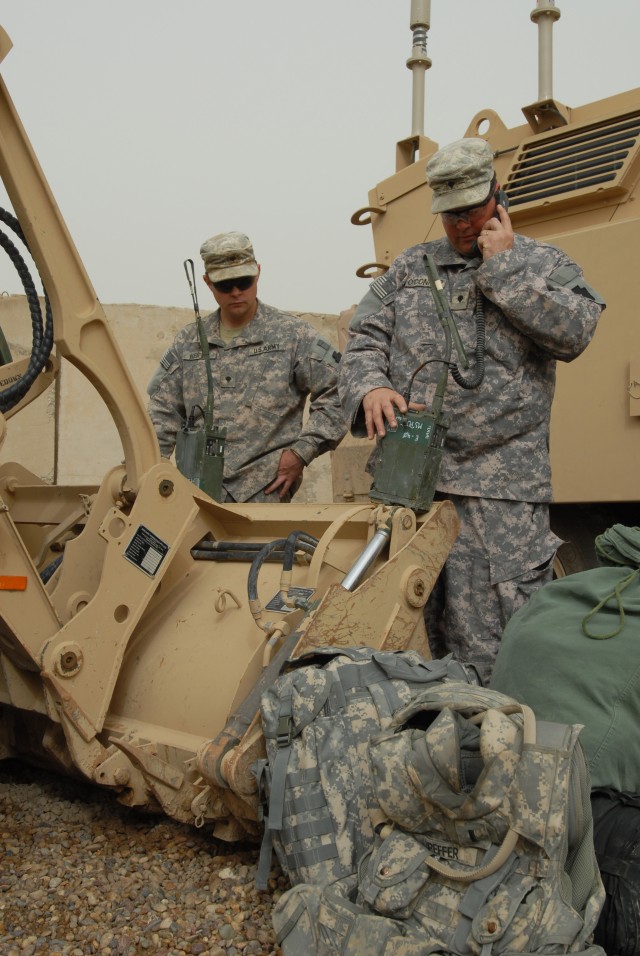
572	653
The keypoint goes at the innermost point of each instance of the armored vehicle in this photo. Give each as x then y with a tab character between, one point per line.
571	175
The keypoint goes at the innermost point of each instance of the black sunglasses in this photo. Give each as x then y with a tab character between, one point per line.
228	285
468	215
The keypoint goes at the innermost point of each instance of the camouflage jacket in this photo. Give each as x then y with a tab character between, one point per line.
261	380
538	308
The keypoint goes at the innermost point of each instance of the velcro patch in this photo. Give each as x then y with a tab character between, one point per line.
417	282
268	347
323	351
382	286
569	277
168	359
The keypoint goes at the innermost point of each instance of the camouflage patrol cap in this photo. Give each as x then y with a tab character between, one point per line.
460	174
228	255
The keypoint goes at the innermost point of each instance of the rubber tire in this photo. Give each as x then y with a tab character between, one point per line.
578	526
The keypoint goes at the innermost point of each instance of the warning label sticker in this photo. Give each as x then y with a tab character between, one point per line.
146	550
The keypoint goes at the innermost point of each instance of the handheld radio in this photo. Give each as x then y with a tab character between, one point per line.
200	448
411	454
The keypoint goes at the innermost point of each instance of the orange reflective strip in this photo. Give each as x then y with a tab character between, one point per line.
13	582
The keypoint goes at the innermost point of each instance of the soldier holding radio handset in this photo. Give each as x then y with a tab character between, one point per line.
519	305
503	238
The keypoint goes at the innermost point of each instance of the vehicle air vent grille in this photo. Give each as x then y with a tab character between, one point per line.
576	159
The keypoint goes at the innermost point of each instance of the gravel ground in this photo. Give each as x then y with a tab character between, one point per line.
83	875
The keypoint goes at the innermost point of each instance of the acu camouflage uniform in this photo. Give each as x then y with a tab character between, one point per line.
496	457
261	380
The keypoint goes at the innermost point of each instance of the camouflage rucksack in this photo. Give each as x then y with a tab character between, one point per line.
317	719
484	844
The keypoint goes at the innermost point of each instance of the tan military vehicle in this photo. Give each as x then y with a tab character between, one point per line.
571	175
140	619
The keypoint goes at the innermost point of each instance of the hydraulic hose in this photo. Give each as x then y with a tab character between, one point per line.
256	564
42	340
295	540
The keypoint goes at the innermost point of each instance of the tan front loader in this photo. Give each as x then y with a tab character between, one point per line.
140	620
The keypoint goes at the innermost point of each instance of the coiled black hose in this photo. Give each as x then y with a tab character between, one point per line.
477	371
42	340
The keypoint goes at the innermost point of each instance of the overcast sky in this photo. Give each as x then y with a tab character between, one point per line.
160	123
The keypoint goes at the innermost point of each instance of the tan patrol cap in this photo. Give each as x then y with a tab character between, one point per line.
460	174
228	255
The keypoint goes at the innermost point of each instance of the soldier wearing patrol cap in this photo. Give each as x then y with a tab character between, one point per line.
519	306
264	364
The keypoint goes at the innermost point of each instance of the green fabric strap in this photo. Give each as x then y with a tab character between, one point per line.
619	546
616	593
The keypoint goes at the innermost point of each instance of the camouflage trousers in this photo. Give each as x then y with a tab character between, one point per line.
503	554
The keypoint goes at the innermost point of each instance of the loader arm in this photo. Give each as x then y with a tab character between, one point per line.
139	620
81	332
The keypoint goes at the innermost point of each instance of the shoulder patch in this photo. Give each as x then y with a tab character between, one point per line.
323	351
168	359
570	277
380	293
168	362
382	287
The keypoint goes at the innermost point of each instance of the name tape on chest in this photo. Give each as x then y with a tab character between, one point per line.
417	282
268	347
256	350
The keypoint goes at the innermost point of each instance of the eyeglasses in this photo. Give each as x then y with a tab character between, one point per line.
228	285
467	215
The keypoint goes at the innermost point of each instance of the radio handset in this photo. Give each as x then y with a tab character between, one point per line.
501	200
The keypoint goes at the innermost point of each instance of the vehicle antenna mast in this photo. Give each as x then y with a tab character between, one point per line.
419	62
545	15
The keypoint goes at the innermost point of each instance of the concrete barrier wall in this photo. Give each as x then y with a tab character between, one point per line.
67	435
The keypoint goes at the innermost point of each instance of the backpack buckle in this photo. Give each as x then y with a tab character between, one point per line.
284	731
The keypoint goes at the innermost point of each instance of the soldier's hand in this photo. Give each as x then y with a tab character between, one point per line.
290	469
379	405
496	235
